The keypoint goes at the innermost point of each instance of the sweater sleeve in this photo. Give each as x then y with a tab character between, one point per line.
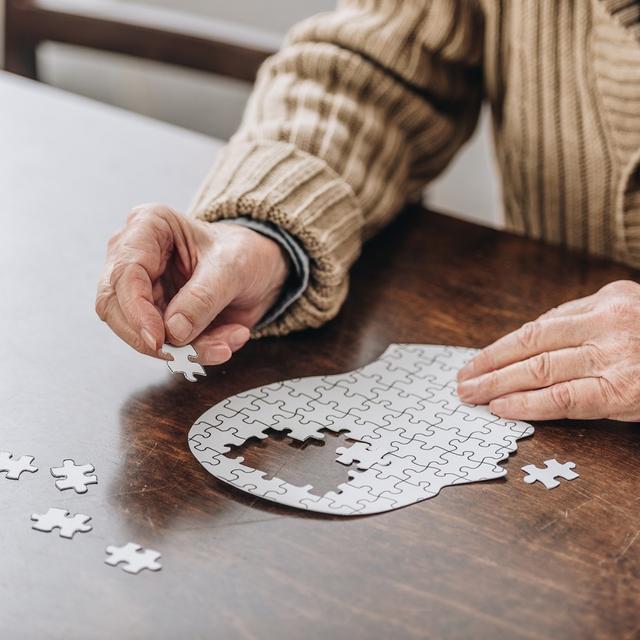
359	110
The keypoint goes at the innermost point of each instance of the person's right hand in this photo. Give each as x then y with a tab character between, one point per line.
169	278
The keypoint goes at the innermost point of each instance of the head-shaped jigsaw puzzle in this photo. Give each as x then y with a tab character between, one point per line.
412	435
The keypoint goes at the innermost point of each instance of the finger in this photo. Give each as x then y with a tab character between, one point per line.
116	320
216	345
529	340
543	370
198	302
138	256
134	291
104	297
148	239
583	399
571	308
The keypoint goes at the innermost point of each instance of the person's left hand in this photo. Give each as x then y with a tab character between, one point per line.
580	360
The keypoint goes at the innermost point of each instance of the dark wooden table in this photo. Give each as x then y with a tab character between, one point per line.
497	559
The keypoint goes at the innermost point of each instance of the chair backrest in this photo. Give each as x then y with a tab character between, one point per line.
162	35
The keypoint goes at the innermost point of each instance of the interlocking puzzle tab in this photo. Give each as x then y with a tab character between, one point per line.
14	467
61	519
411	434
133	558
183	361
548	474
74	476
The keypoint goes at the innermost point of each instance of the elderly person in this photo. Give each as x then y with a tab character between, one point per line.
361	109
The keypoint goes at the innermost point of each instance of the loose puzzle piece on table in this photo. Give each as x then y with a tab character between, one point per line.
14	467
183	361
134	558
74	476
412	435
547	475
61	519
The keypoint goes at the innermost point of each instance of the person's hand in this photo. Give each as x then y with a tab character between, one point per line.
580	360
169	278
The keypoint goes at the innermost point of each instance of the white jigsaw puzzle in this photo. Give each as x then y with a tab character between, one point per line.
183	361
74	476
14	467
61	519
133	558
548	474
412	435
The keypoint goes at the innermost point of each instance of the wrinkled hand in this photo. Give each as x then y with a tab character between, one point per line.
580	360
169	278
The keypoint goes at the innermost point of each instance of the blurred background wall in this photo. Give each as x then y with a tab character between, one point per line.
214	106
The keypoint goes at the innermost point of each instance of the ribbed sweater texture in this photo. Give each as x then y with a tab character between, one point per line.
363	106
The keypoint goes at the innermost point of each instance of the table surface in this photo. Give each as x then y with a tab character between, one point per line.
491	559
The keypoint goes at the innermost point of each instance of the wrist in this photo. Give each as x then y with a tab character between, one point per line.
285	274
262	261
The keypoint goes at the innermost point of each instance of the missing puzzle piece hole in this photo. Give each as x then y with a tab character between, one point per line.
299	463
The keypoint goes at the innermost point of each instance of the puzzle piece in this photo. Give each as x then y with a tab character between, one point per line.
133	557
548	474
61	519
359	452
74	476
182	361
14	467
411	434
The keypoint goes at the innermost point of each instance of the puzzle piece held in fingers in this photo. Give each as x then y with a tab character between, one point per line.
182	361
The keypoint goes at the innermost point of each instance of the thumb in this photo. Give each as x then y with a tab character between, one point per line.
198	302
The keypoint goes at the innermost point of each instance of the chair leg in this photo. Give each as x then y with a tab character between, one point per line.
19	49
21	60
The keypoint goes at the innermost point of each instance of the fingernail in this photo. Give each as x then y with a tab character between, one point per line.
179	327
465	390
217	354
465	372
238	338
497	406
149	339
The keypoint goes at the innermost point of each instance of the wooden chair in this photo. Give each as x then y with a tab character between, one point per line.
162	35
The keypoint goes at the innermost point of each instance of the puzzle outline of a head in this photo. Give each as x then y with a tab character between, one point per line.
412	435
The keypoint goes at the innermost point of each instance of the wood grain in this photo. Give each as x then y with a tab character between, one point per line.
492	559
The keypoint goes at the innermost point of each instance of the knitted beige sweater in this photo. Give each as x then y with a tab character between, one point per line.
365	105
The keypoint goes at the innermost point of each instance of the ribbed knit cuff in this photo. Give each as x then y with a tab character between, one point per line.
278	183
